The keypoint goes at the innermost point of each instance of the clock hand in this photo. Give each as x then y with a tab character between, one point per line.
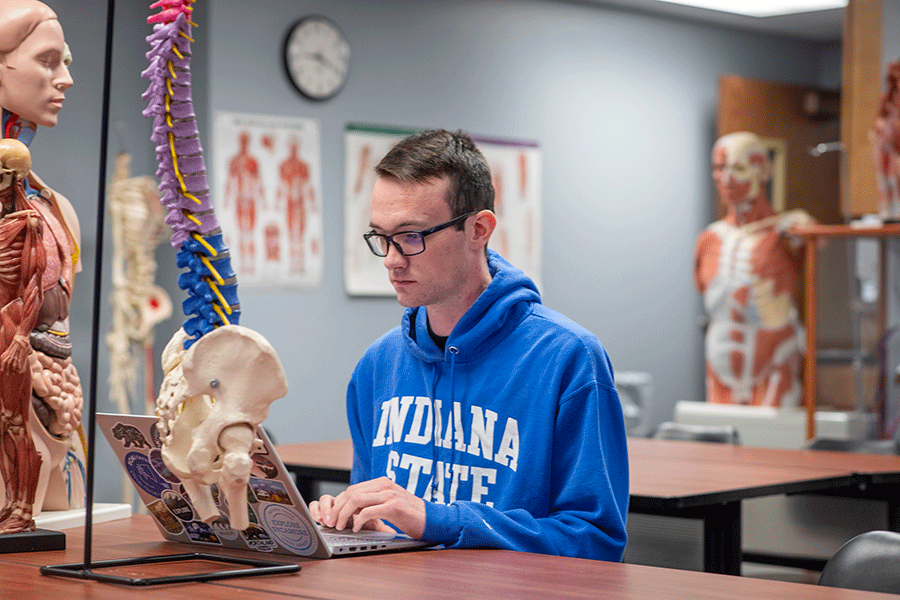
324	61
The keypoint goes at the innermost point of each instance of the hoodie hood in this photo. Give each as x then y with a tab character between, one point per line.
509	298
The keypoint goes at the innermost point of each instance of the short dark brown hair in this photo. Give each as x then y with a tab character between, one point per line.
436	153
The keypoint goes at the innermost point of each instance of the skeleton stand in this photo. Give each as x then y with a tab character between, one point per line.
85	570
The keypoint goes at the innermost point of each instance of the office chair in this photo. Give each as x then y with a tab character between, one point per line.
870	561
722	434
860	446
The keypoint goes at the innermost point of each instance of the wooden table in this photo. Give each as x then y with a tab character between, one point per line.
420	575
709	482
690	480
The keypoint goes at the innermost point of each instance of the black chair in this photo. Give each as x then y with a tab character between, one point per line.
860	446
870	561
722	434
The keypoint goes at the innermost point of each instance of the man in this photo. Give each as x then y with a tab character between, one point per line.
748	273
485	419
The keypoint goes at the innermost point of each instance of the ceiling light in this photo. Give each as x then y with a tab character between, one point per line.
763	8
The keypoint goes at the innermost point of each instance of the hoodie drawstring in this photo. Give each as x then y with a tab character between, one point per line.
436	437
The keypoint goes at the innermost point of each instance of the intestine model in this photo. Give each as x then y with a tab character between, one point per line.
220	378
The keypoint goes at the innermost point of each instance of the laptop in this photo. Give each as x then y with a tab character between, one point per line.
280	521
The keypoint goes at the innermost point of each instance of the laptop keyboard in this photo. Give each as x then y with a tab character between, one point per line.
334	536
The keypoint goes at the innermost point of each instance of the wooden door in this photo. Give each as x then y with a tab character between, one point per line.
862	83
796	118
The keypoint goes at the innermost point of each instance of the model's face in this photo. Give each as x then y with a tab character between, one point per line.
737	173
436	276
35	76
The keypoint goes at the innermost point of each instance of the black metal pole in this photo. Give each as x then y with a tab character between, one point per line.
98	280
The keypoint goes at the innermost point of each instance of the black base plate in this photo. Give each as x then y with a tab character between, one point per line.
38	540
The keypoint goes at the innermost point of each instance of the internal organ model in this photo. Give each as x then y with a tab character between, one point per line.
747	272
35	365
220	377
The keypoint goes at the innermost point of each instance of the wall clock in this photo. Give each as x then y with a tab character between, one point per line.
316	57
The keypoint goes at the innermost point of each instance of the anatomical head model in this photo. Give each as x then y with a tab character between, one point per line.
741	169
746	267
41	450
220	378
35	61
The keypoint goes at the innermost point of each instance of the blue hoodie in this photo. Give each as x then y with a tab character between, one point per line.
513	435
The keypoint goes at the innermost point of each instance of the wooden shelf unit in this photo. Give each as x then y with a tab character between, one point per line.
812	236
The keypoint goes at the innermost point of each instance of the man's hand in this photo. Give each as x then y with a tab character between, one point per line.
364	505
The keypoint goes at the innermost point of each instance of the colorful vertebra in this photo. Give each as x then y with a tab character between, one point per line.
210	280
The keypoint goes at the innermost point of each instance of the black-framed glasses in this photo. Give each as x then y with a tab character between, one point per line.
407	243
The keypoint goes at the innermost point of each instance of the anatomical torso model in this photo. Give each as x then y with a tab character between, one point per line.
746	268
40	427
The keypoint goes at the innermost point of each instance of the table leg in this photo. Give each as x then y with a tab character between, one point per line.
722	539
893	510
810	320
306	484
307	488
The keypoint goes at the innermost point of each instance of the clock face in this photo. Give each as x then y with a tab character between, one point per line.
317	57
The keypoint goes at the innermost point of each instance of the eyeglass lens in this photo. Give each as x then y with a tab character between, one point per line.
408	243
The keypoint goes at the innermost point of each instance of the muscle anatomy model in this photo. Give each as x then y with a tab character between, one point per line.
40	392
885	139
220	378
746	269
296	196
244	189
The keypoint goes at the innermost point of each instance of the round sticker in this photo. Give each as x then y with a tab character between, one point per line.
144	475
178	505
287	528
155	435
156	459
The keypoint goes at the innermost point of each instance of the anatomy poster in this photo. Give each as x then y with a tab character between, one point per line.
268	197
515	170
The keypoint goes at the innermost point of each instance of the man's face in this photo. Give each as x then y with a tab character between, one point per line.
35	76
436	276
737	170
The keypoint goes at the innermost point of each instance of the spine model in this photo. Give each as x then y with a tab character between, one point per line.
209	280
213	394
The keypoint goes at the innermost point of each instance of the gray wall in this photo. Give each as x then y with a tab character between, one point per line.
623	106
